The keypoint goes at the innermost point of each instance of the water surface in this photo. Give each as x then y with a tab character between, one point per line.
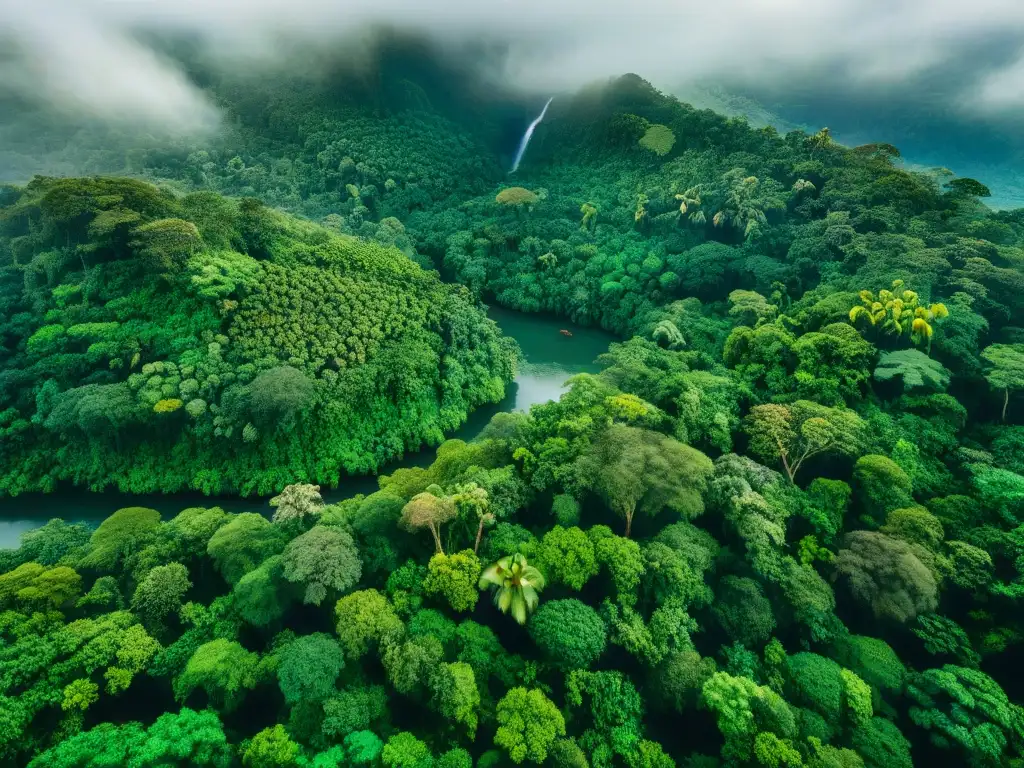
550	358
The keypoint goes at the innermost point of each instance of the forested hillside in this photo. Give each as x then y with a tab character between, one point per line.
783	526
159	343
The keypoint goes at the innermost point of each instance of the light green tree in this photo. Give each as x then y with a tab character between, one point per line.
454	577
796	432
297	503
528	724
1007	371
456	695
658	139
160	593
222	668
916	369
270	748
365	618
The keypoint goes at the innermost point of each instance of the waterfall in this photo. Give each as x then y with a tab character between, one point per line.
526	136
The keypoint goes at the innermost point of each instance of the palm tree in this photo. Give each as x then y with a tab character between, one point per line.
515	584
743	206
690	201
897	313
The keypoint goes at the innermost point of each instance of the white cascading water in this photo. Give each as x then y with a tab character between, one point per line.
526	136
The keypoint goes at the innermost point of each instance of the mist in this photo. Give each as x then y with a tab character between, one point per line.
92	55
921	67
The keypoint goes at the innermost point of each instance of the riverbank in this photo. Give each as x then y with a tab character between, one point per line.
549	359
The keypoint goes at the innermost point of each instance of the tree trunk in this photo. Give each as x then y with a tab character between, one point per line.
437	540
1006	401
629	523
479	535
785	462
790	471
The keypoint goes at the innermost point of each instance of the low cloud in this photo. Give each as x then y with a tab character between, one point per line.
92	56
64	56
1003	89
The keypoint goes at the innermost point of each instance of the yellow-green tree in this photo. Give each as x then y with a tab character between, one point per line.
898	313
658	139
796	432
429	510
516	197
589	211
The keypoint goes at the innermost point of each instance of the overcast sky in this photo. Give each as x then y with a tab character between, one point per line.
86	56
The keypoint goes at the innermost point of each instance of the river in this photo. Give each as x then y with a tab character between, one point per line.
549	359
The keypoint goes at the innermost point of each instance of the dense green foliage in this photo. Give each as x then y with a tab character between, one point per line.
783	526
157	343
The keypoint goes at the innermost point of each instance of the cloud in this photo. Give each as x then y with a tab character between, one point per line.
91	56
61	55
1003	89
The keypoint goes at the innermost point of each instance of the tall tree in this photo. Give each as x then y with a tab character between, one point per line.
635	469
430	510
160	594
222	668
886	574
365	618
571	634
455	578
309	667
120	535
1007	371
796	432
243	543
474	501
323	559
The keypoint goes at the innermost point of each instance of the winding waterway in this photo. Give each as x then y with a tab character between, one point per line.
549	359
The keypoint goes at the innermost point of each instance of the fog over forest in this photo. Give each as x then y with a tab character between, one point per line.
942	80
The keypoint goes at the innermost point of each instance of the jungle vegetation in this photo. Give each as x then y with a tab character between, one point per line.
156	342
784	526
